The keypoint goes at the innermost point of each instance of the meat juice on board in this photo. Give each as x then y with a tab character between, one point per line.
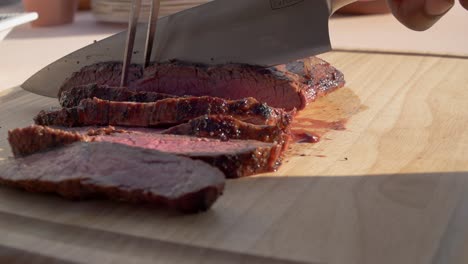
329	113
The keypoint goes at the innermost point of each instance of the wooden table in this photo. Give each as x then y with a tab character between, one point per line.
391	188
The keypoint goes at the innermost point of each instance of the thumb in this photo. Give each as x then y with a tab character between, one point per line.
419	14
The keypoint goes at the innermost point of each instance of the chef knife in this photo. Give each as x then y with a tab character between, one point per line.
258	32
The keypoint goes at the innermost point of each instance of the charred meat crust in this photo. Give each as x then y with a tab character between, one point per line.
32	139
227	128
171	111
105	73
73	96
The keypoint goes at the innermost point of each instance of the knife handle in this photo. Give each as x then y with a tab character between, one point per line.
337	4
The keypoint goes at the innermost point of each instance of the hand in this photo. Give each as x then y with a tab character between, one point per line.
415	14
421	14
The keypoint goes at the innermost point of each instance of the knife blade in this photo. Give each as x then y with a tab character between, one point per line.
258	32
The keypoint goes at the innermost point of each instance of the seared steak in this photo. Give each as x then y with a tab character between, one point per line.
75	95
29	140
32	139
287	86
85	170
102	74
236	158
227	128
171	111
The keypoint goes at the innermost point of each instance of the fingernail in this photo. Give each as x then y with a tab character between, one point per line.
438	7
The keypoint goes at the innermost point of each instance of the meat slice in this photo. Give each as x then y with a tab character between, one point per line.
29	140
171	111
32	139
287	86
228	128
84	170
235	158
105	73
75	95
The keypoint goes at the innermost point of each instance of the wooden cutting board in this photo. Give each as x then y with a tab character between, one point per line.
390	188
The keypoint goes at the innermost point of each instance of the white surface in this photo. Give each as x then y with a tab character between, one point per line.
27	50
9	21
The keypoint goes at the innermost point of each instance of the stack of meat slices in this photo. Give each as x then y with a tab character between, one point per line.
171	137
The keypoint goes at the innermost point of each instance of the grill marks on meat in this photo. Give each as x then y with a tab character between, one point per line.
169	111
73	96
117	172
287	86
236	158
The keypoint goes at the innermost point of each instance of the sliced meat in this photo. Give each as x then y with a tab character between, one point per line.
75	95
29	140
87	170
236	158
287	86
102	74
171	111
228	128
32	139
319	76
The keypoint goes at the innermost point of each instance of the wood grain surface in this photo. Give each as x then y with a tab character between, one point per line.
391	188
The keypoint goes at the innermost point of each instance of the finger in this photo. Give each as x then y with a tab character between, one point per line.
420	14
464	3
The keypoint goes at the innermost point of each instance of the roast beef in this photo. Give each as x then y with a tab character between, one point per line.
227	128
169	111
32	139
29	140
287	86
101	73
87	170
235	158
75	95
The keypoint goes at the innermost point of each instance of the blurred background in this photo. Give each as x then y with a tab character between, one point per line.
118	10
64	26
